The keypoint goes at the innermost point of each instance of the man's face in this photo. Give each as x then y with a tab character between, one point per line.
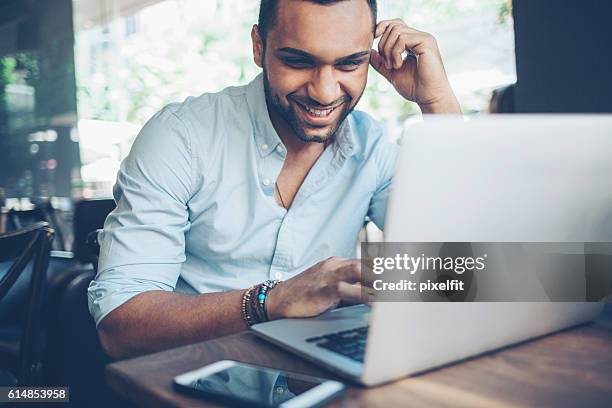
315	64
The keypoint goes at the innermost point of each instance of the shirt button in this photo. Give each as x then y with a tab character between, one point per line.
264	147
280	149
267	182
278	275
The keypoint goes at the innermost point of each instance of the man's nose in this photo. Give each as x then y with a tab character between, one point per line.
323	87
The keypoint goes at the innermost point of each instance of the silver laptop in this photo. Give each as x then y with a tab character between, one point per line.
491	179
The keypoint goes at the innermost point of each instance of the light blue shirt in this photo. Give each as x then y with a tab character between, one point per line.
195	201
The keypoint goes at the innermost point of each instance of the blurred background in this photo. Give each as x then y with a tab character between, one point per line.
79	78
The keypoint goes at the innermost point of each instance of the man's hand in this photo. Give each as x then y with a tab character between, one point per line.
411	61
319	288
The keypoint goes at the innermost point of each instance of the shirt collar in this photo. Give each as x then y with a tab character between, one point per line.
265	135
345	138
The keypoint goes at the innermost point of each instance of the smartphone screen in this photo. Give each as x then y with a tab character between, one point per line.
252	385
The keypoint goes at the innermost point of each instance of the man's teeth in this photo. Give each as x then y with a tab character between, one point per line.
319	112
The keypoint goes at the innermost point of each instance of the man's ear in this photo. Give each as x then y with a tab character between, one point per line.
258	47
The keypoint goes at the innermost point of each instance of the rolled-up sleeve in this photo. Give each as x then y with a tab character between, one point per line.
142	245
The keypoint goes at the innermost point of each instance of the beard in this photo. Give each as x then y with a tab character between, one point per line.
300	127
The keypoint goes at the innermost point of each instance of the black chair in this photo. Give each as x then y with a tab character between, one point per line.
93	247
42	212
89	215
74	355
21	348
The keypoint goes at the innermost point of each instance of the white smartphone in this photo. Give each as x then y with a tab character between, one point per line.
240	384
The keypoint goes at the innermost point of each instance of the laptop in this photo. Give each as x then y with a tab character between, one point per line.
492	179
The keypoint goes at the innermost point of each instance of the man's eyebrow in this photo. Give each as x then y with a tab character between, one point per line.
295	51
354	56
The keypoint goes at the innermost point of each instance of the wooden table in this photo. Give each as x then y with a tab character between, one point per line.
572	368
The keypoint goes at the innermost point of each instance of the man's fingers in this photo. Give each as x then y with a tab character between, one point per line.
367	275
384	41
382	26
392	40
379	64
350	272
395	38
417	41
397	51
350	293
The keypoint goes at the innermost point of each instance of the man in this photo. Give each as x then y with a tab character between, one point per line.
270	181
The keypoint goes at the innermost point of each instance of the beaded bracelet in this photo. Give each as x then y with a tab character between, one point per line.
254	303
262	296
246	307
256	311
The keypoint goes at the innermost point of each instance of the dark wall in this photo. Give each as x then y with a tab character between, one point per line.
564	55
56	93
37	56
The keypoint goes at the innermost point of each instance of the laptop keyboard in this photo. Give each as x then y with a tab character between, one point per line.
349	343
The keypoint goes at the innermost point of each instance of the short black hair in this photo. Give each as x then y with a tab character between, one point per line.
268	9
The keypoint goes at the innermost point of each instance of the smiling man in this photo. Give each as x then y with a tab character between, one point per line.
245	205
